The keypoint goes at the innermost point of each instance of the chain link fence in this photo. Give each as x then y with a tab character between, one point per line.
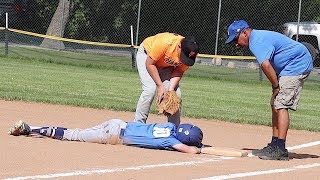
109	21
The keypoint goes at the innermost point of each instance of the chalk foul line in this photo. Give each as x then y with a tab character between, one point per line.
256	173
187	163
104	171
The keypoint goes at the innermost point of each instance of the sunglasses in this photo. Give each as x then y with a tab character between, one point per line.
235	40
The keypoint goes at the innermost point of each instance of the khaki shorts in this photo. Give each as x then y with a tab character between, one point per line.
289	93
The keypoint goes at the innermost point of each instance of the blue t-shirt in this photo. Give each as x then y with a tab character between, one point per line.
154	136
287	57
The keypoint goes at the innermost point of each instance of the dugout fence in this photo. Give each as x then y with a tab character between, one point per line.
109	21
104	26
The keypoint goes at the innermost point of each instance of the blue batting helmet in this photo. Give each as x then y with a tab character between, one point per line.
190	135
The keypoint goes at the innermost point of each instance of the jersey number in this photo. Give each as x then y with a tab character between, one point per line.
161	132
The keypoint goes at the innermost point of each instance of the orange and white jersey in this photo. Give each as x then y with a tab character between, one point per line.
165	49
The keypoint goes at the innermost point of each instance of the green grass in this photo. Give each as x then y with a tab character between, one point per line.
101	81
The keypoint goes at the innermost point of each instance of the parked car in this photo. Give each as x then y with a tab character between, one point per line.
18	13
309	35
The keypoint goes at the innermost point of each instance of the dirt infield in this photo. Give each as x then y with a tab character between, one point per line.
34	158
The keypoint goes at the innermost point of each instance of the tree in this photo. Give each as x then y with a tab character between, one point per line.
58	24
102	20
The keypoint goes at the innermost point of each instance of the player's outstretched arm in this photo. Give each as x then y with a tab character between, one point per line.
217	151
186	149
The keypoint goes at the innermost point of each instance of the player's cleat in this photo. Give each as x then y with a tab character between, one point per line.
258	152
276	154
19	128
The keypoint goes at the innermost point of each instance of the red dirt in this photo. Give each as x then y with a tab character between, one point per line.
29	156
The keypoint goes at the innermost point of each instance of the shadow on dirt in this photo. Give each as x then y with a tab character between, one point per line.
294	155
302	156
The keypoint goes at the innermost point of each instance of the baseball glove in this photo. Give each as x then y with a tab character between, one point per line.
170	104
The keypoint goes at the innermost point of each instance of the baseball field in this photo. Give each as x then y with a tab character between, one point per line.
81	90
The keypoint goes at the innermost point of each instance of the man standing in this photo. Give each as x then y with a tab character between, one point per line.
287	64
161	61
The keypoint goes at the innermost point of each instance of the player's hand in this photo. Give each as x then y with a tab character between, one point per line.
275	91
161	90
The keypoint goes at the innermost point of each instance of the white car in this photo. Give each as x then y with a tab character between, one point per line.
308	34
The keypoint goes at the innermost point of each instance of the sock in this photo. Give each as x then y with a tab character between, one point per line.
37	130
58	133
282	144
53	132
274	140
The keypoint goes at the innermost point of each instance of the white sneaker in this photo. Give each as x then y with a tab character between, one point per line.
19	128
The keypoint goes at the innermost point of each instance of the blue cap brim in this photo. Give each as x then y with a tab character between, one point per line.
231	38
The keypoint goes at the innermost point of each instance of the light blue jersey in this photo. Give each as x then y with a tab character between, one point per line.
288	57
155	136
